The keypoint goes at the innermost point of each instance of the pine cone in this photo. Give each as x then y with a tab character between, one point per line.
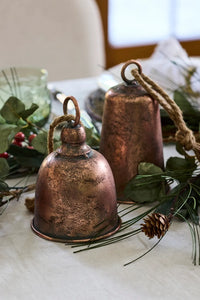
155	225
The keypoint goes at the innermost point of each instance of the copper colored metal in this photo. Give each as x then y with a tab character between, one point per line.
131	131
75	197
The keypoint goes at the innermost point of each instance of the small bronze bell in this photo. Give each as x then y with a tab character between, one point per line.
75	198
131	130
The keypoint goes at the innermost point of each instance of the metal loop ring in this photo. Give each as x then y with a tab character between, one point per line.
130	62
65	103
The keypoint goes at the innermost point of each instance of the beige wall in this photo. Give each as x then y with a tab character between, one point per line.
63	36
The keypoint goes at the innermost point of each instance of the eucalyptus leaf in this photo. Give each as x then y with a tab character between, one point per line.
20	122
183	103
92	138
178	163
56	143
2	120
190	114
92	135
4	168
146	188
7	133
12	109
146	168
180	150
26	157
148	185
180	168
13	165
39	143
26	113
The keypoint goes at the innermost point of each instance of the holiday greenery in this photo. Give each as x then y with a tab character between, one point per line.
172	192
24	145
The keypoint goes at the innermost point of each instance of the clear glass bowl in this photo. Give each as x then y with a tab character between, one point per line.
30	86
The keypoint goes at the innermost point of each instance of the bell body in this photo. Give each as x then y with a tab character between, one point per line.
75	196
131	132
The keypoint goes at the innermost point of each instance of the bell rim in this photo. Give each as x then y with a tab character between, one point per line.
75	240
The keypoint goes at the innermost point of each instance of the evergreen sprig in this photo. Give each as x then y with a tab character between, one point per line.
173	192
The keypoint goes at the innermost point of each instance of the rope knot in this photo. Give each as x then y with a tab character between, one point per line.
186	139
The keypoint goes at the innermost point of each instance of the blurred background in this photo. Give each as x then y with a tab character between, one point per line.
132	28
63	36
80	38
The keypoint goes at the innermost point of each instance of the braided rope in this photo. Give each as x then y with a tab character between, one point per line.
183	135
54	124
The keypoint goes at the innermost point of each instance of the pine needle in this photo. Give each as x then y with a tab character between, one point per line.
8	82
14	82
134	260
108	241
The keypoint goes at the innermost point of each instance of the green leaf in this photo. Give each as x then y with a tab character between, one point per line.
13	165
3	186
178	163
92	138
20	122
180	150
56	143
25	114
148	186
2	120
39	143
7	133
183	103
145	189
180	168
190	114
12	109
4	168
26	157
145	168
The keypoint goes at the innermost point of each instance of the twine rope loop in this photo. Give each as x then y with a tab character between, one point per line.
183	135
61	119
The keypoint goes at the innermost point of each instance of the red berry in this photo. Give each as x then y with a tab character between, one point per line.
17	143
20	136
31	137
4	155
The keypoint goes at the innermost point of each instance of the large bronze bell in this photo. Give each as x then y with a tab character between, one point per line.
131	130
75	198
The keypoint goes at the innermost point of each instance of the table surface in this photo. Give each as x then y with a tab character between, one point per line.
33	268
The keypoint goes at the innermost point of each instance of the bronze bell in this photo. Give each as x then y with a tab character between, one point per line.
131	130
75	198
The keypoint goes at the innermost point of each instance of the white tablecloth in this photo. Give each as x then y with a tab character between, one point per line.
33	268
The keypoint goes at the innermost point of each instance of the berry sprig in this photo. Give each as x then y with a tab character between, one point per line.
19	138
4	155
31	137
21	141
